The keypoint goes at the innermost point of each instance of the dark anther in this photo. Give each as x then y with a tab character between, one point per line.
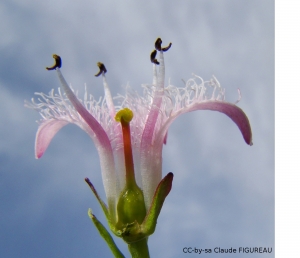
56	64
152	57
102	69
167	48
158	45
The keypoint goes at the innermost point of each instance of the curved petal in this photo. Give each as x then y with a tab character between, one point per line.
88	118
45	133
236	114
151	180
155	107
102	143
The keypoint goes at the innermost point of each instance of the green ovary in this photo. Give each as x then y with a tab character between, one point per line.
131	206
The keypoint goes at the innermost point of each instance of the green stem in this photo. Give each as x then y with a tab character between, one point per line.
139	249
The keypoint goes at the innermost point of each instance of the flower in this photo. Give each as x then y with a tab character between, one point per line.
153	113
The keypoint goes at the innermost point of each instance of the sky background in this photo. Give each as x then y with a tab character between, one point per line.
223	189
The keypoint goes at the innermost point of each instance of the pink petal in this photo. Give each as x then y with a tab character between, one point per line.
155	107
151	180
102	143
89	119
45	133
236	114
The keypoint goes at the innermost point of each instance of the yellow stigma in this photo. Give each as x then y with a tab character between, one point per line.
125	114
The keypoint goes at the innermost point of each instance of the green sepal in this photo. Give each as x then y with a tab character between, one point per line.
104	208
109	217
106	235
162	191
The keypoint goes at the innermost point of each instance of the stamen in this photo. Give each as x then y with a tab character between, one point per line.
57	63
158	47
152	57
102	69
108	98
154	81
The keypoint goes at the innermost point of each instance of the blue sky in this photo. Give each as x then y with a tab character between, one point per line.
223	190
